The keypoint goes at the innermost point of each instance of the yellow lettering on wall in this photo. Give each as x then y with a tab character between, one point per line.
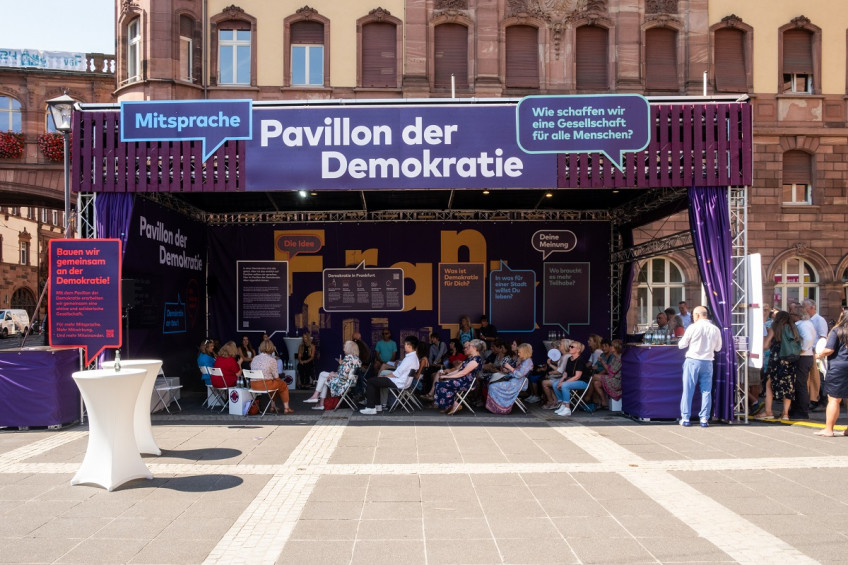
314	301
471	239
354	257
422	275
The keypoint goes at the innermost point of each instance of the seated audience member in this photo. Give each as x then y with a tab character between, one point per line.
266	363
423	351
575	377
364	350
495	362
487	332
504	390
455	354
226	361
385	353
595	351
305	361
336	382
206	358
662	321
397	379
465	333
607	381
535	376
555	372
436	357
460	379
246	352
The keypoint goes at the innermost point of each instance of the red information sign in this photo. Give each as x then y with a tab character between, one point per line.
85	294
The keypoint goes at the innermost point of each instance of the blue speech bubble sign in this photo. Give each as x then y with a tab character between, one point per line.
512	299
612	124
211	121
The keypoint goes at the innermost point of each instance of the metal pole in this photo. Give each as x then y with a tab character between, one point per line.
66	135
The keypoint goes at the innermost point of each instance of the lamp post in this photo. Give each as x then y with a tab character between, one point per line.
61	109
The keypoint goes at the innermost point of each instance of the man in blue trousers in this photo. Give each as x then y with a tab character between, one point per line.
703	340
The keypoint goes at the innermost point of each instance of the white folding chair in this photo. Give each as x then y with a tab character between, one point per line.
252	376
462	394
210	396
518	401
165	391
221	393
346	398
580	394
405	397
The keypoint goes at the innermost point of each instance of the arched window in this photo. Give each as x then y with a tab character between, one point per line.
522	57
187	26
379	55
661	59
660	285
795	280
450	43
24	299
10	114
307	53
134	50
730	61
591	58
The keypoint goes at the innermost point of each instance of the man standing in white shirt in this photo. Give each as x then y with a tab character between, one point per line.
703	340
818	372
396	379
801	405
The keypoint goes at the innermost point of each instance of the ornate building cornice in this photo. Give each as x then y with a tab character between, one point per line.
559	14
662	19
800	22
233	12
129	7
379	14
307	12
731	21
445	5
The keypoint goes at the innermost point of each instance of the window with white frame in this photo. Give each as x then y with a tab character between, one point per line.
307	53
797	185
44	215
24	247
10	114
795	280
234	56
186	48
660	285
134	51
55	218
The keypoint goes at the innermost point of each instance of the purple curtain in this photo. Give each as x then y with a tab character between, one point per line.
709	220
114	211
628	275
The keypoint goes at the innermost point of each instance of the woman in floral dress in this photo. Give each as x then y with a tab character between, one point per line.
779	377
460	379
504	391
338	381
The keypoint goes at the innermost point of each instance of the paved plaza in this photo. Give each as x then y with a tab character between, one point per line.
342	488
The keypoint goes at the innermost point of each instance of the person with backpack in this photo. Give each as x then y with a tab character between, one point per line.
783	342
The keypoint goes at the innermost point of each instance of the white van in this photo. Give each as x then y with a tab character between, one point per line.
13	322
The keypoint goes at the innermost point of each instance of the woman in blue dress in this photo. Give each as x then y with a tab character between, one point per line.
449	384
504	391
836	383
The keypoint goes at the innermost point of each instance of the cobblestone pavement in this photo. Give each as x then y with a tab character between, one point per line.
430	489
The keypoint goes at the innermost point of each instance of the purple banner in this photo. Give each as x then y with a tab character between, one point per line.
356	148
85	294
612	124
212	121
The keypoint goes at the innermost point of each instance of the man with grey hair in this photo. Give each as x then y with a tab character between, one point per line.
801	405
819	369
702	339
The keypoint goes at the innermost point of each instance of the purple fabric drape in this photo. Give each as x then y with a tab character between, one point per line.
114	211
627	277
709	220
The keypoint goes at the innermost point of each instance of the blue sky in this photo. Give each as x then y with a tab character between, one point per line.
80	26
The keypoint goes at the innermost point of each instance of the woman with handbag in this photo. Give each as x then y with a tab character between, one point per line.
779	377
503	391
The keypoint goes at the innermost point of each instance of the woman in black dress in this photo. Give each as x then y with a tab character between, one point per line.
836	384
779	377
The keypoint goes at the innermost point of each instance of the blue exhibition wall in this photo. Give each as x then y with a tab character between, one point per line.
535	280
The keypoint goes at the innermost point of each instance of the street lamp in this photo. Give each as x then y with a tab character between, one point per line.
61	109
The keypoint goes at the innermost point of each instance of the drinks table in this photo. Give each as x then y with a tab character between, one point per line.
141	412
112	457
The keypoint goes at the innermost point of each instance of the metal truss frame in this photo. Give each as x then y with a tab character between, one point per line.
86	216
738	208
653	248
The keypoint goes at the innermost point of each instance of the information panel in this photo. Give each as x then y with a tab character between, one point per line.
512	302
85	294
566	295
263	300
462	292
363	289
